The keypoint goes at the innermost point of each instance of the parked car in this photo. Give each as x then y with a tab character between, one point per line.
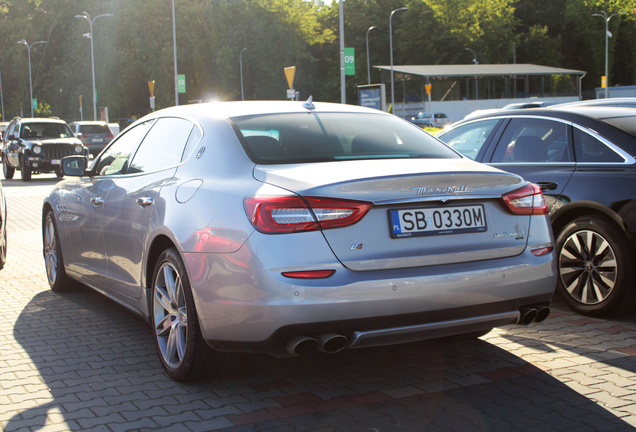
511	106
624	102
36	145
425	119
3	228
94	134
583	159
291	227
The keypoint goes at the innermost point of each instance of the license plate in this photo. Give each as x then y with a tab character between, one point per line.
56	161
97	140
432	221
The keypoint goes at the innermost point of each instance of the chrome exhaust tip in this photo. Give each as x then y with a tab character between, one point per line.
301	345
528	315
542	313
331	343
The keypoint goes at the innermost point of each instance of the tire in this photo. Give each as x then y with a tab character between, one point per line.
53	261
183	353
59	173
594	267
7	170
3	250
25	171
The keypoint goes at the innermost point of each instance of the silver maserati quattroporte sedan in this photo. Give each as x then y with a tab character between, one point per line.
292	227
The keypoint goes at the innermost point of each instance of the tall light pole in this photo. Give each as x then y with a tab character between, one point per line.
241	64
87	17
391	54
607	35
343	89
476	63
369	64
2	97
174	44
29	55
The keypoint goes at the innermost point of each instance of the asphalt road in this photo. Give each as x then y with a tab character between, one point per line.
79	362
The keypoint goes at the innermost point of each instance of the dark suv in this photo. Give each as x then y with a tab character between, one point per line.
36	145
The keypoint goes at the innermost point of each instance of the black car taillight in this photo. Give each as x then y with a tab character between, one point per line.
526	200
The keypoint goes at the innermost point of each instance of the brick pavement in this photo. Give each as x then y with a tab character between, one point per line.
77	362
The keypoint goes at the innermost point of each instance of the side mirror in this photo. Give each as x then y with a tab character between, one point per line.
11	138
74	166
79	135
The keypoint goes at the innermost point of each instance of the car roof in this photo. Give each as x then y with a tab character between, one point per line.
41	120
623	101
81	122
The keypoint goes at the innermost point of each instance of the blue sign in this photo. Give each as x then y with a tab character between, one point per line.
371	98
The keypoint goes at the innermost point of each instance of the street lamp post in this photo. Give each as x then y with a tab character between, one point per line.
29	55
241	65
2	97
607	35
87	17
369	64
391	54
174	44
476	63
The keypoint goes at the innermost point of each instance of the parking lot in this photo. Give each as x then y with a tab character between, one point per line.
76	361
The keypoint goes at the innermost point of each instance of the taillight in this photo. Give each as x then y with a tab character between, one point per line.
110	136
292	214
527	200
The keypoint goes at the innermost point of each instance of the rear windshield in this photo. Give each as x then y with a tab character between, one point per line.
440	115
318	137
45	130
628	124
94	129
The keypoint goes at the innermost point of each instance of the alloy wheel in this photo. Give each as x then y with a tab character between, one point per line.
170	315
50	251
588	267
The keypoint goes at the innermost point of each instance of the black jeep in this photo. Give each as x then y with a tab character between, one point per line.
36	145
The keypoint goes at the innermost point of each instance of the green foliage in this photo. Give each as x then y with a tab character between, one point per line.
136	46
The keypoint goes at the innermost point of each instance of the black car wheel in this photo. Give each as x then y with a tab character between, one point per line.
3	250
53	262
25	170
183	352
59	173
7	170
594	266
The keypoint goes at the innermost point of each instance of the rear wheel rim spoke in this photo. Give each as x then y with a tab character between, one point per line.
170	315
588	267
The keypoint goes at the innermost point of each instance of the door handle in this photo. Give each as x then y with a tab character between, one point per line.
97	201
547	186
145	201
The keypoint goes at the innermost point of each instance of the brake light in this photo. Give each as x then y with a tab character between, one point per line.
277	215
527	200
110	136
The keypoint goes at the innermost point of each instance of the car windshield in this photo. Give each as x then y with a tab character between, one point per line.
45	130
321	137
94	129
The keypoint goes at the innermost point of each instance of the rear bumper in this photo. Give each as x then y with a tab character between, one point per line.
245	308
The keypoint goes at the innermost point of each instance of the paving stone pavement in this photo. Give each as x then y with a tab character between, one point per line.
78	362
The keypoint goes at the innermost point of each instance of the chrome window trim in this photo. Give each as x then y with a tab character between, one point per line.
627	158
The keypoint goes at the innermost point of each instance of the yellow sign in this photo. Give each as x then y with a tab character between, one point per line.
604	81
428	89
289	73
151	86
80	97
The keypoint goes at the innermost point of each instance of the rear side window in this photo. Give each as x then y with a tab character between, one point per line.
470	138
318	137
533	140
163	146
590	149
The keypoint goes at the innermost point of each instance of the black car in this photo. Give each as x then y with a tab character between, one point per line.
583	160
36	145
3	228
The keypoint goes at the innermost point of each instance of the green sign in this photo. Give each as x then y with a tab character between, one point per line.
181	86
34	103
350	62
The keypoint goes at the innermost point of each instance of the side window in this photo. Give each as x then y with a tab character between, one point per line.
590	149
193	140
116	157
10	131
533	140
163	146
470	138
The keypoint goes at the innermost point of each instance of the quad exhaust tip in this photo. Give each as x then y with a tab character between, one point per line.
530	314
325	342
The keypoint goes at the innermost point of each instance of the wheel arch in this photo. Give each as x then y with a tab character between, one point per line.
569	212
